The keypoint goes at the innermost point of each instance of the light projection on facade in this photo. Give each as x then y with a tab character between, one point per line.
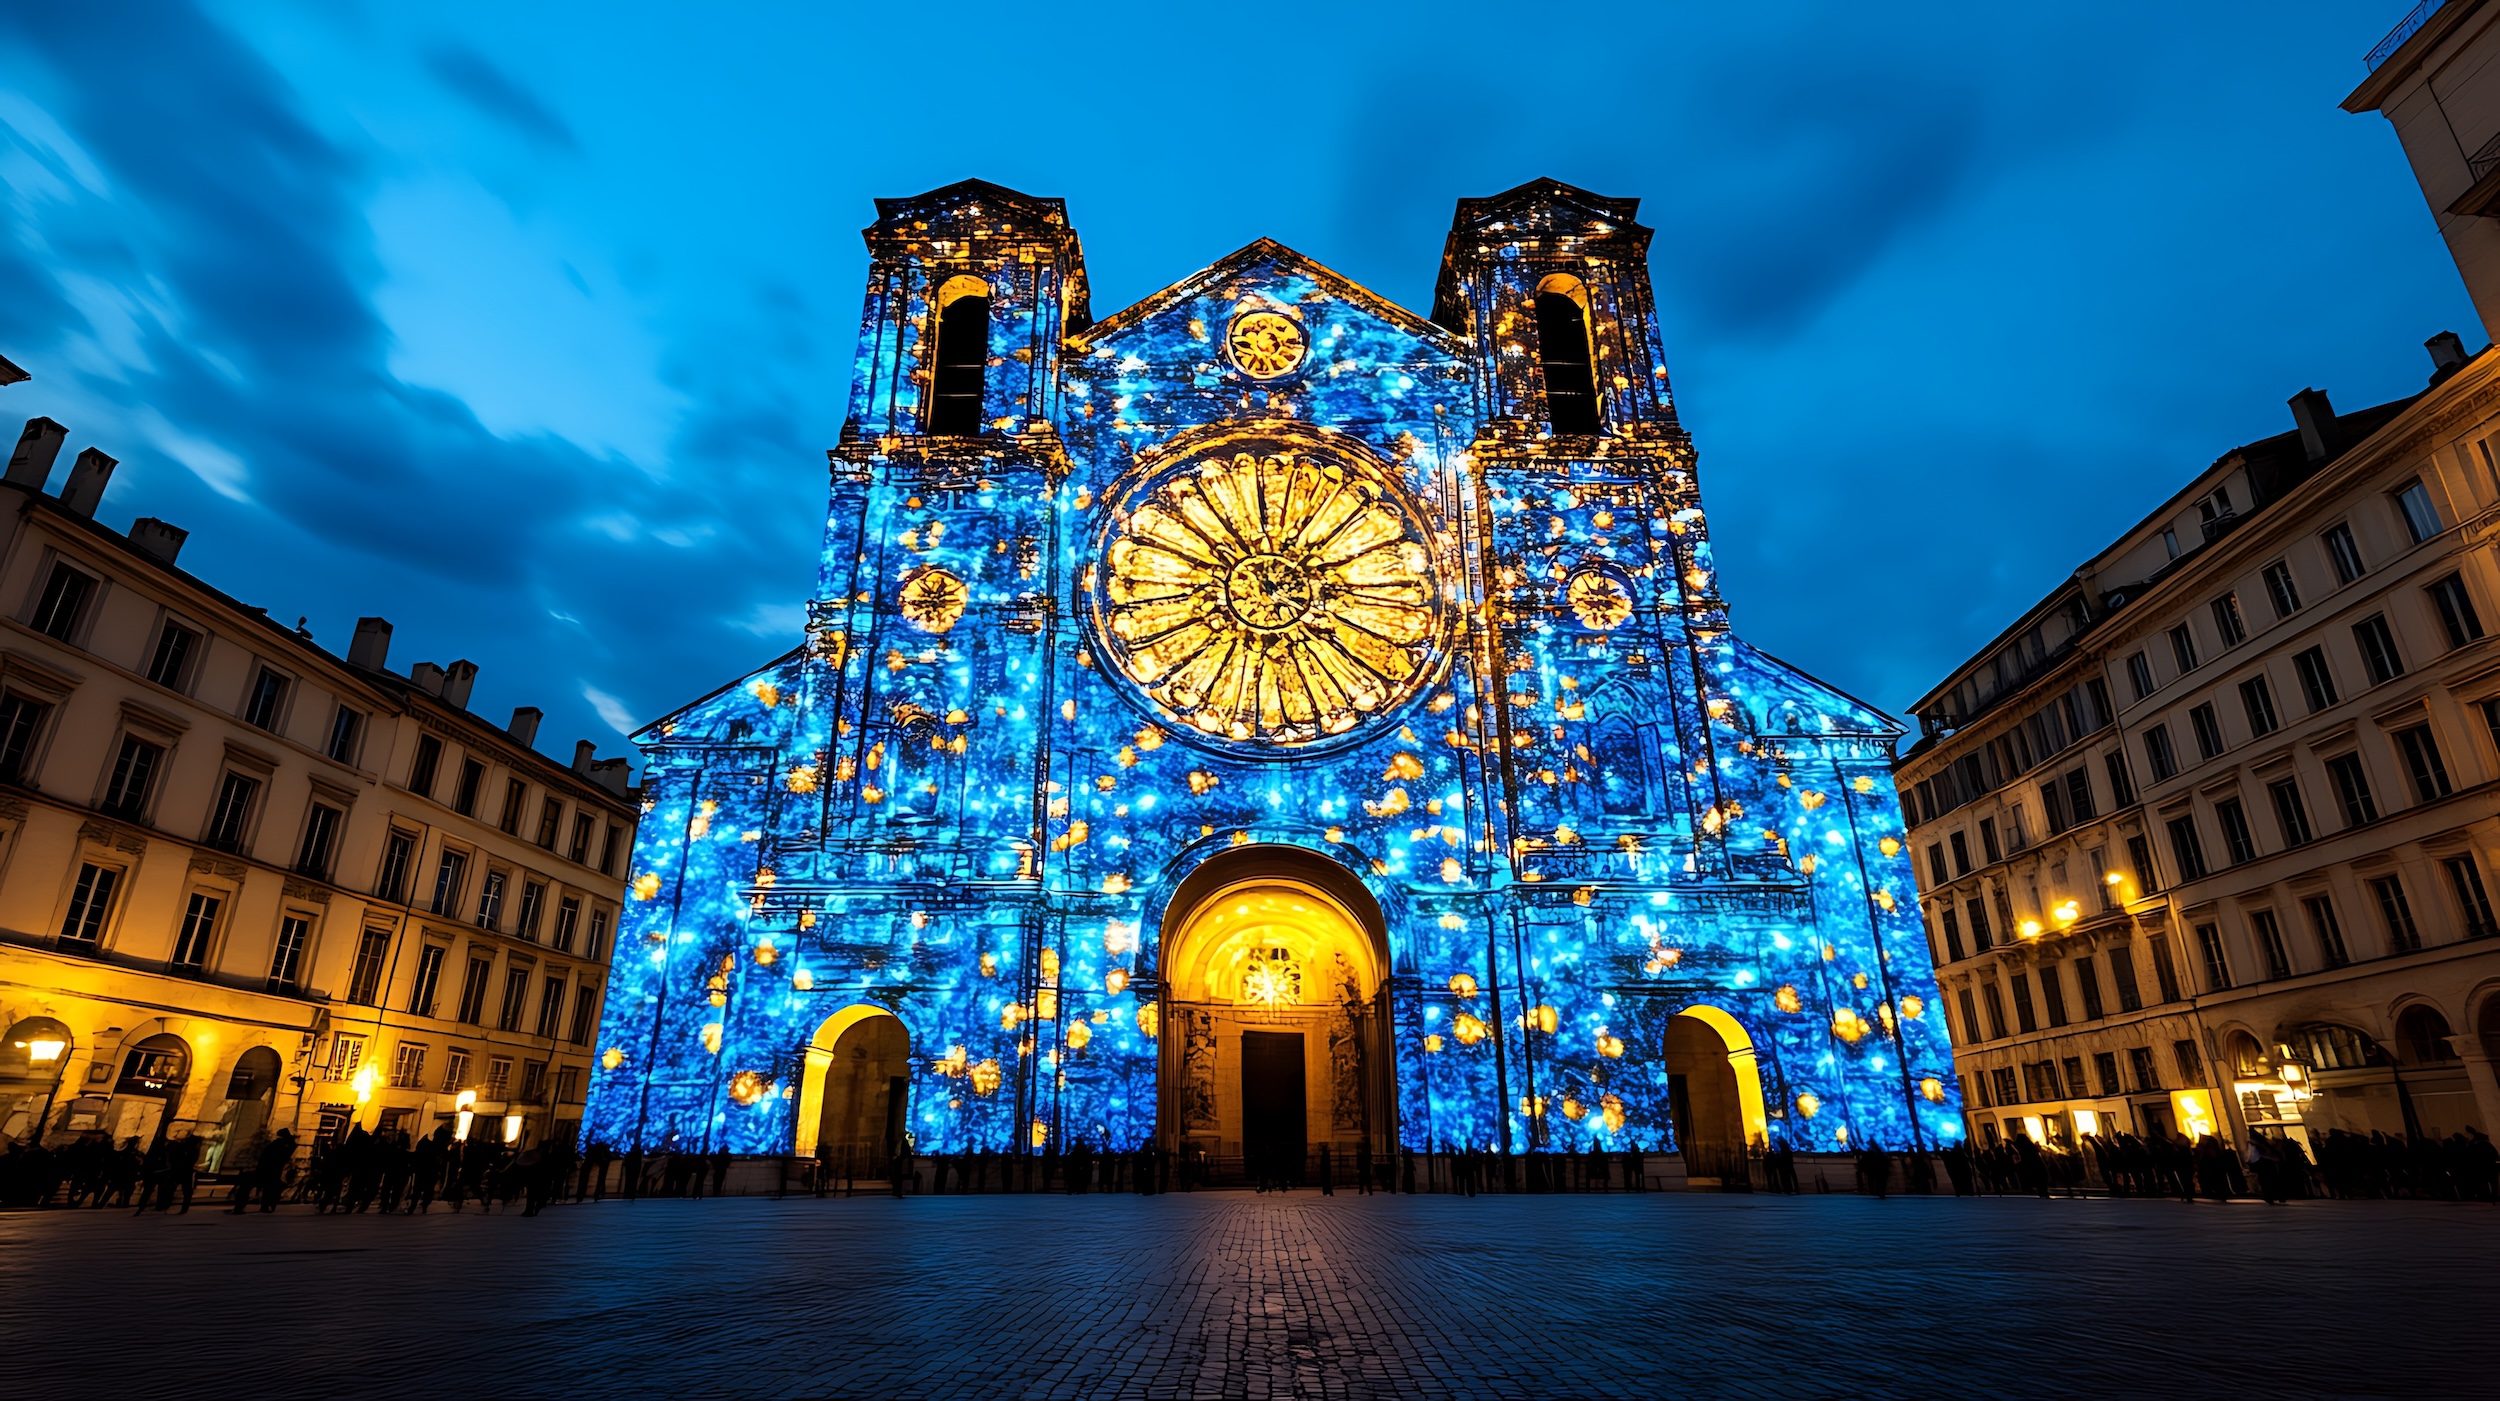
1274	719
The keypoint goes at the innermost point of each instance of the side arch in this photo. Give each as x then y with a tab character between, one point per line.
818	1058
1743	1062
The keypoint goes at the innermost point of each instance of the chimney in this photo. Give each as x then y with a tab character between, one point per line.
2316	418
2447	355
428	678
457	679
524	726
582	750
157	539
11	374
85	488
31	465
613	775
372	646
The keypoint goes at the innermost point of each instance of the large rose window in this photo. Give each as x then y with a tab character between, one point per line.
1271	593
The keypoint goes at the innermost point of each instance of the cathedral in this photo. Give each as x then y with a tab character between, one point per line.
1263	719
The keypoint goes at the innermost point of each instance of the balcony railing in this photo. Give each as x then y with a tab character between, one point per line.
2405	29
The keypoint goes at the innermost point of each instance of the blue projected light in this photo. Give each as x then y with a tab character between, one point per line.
1267	585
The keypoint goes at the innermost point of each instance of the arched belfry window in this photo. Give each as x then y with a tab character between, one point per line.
963	352
1566	355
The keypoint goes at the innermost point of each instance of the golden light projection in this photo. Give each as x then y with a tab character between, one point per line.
1598	599
1274	597
1266	344
932	599
1272	982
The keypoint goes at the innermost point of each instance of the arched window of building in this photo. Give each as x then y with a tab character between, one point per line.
2422	1036
2329	1046
2248	1059
962	359
1622	784
1566	355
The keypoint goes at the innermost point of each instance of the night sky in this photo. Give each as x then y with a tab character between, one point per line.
527	326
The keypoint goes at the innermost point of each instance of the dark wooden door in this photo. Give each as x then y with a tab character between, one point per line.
1272	1113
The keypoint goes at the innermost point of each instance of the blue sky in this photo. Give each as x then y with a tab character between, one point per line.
527	326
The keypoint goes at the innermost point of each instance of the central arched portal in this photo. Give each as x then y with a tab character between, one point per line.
1276	1020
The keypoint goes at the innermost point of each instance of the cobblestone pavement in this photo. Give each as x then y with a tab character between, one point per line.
1231	1295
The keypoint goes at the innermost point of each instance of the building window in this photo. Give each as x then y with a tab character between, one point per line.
2281	591
2147	1075
2024	1014
608	848
2270	945
2187	848
2157	753
2121	782
2413	502
2217	967
429	979
1988	825
2290	813
2122	976
2342	553
21	720
1952	924
962	358
1996	1010
2257	701
473	989
464	795
2229	623
568	1084
2317	679
550	1005
90	904
2329	931
550	821
265	705
177	647
2140	860
516	991
2238	843
2006	1092
346	724
2105	1069
286	961
2053	807
2352	790
514	791
582	827
1564	352
2457	617
199	929
2183	648
2165	970
63	603
320	844
2053	994
533	908
232	813
2088	987
408	1066
2075	1086
134	778
455	1070
533	1081
2169	543
1982	938
498	1079
2079	795
449	877
2422	763
421	769
1961	853
347	1051
399	853
2378	649
2139	675
586	1014
598	936
490	900
373	951
2191	1065
2207	727
2396	912
2466	879
568	921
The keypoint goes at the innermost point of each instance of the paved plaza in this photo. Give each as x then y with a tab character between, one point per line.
1234	1295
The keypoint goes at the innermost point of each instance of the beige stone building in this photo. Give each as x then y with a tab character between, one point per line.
2436	78
245	881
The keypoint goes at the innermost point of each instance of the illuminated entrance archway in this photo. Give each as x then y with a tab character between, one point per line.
855	1090
1714	1091
1275	1024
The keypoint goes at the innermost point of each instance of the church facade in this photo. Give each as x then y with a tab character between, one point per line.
1267	718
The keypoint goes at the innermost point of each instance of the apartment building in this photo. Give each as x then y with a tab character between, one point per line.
246	881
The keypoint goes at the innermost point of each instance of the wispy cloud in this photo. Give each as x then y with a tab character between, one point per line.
468	74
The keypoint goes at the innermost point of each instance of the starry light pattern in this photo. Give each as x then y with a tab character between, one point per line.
1582	806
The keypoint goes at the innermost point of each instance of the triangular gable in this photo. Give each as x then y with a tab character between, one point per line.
698	721
1783	699
1269	252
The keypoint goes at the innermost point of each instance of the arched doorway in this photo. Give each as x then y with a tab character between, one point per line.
1275	1015
32	1056
251	1092
855	1093
154	1070
1714	1092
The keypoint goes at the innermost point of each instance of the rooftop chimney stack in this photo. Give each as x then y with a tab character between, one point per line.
84	490
2447	355
11	374
582	751
2316	418
427	677
524	726
372	646
158	540
37	448
457	679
